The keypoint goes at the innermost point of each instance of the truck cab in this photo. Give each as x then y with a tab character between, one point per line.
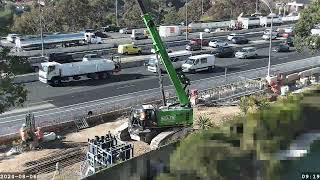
91	38
47	71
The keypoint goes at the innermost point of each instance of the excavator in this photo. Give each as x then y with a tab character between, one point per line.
146	122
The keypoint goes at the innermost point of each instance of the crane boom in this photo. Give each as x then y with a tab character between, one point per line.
161	50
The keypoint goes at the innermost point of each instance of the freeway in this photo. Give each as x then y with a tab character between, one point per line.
42	96
109	43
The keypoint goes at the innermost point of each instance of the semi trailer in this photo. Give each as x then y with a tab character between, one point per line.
55	73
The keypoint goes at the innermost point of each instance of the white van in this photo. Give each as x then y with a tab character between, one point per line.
177	59
199	63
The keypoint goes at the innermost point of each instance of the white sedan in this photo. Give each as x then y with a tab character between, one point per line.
217	43
231	36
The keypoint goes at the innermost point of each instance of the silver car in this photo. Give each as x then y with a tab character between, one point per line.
247	52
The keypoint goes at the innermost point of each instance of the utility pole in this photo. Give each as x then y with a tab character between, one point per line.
117	22
41	31
257	6
201	7
187	20
161	81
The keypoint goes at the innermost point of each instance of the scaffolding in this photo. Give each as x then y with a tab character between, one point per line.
104	152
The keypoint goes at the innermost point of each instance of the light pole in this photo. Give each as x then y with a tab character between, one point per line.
201	7
41	31
117	22
187	20
270	44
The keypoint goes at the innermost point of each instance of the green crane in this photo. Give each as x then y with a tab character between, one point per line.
146	121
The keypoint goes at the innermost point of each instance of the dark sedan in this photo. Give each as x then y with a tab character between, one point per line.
282	48
240	40
223	52
289	41
193	47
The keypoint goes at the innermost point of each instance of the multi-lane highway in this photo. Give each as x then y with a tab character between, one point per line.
55	105
42	96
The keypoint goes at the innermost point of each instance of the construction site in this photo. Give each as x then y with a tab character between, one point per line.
135	140
79	149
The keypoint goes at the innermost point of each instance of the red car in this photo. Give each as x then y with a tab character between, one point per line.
198	42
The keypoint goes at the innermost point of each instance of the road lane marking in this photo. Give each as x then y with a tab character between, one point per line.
242	65
75	88
40	102
283	58
127	86
27	109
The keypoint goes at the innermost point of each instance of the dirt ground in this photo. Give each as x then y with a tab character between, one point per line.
15	163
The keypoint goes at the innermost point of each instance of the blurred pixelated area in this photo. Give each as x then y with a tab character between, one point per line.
277	141
265	140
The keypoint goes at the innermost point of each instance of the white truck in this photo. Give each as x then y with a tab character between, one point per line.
167	31
266	21
54	73
249	22
91	38
177	58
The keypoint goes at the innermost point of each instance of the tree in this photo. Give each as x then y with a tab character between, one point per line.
132	15
171	17
11	95
309	18
245	104
6	19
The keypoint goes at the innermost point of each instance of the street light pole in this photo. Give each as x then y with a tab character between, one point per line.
117	22
41	31
187	20
201	7
270	42
270	45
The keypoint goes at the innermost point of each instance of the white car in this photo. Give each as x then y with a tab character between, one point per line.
217	43
91	57
168	50
231	36
267	36
125	31
207	30
246	53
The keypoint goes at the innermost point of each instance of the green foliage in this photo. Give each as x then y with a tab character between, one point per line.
11	95
204	122
200	155
213	153
245	104
6	17
171	17
75	15
309	17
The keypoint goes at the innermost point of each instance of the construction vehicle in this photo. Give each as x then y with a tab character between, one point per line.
147	122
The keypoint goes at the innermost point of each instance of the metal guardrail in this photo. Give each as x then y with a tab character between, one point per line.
109	105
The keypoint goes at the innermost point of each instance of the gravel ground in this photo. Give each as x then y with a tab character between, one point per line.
15	163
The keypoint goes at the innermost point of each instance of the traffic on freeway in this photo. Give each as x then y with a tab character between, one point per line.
42	96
